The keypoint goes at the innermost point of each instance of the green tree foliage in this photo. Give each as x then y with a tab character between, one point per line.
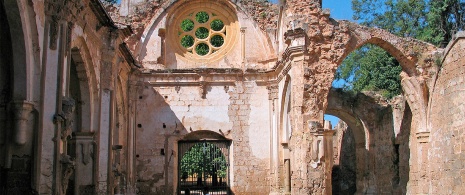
433	21
370	68
204	158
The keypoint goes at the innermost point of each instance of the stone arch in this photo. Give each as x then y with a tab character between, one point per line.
343	107
407	51
121	112
24	46
203	134
414	56
284	134
82	61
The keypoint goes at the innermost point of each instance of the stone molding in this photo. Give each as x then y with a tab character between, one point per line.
422	137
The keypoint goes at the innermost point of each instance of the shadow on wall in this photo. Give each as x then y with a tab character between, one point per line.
158	129
402	152
344	174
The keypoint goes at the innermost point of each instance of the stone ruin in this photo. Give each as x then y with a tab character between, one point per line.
110	99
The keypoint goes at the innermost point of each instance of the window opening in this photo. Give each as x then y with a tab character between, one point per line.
202	33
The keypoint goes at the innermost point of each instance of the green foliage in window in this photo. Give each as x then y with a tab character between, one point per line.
202	33
217	41
217	25
202	17
202	49
204	158
187	25
187	41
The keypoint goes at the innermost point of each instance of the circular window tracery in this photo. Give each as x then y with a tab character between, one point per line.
202	32
208	38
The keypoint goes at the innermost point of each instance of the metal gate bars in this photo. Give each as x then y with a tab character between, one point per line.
203	167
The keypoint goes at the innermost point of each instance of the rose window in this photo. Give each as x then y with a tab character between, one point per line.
202	33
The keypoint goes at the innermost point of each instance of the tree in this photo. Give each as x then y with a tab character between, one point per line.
371	68
203	159
433	21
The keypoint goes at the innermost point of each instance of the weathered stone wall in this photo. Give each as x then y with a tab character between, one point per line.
344	169
166	114
377	139
447	151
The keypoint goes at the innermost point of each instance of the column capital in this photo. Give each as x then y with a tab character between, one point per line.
21	111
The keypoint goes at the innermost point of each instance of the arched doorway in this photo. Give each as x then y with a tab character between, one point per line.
203	164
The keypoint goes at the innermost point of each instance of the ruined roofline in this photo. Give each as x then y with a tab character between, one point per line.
455	38
102	15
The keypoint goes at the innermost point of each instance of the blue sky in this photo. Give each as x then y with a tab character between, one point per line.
342	10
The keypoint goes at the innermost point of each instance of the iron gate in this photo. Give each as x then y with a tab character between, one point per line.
203	167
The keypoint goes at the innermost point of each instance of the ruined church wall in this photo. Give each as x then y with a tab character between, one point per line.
447	112
157	49
165	114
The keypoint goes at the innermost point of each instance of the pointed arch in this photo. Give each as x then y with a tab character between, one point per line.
285	126
84	65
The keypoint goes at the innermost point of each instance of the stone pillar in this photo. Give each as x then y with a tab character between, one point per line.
84	149
21	111
107	110
287	170
424	177
48	166
243	46
328	134
131	138
322	152
162	35
104	142
274	142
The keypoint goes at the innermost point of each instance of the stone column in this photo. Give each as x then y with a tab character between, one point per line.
48	170
107	108
162	35
273	117
104	142
21	111
287	170
84	146
131	142
322	152
243	46
424	177
328	134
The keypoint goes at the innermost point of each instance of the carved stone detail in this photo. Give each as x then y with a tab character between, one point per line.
59	10
273	92
68	165
203	89
87	152
65	117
